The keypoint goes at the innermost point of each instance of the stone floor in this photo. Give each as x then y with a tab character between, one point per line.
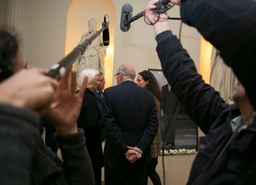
175	169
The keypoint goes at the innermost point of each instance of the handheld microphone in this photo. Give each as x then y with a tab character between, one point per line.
126	15
105	32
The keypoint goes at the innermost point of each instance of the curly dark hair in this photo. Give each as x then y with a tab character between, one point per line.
8	52
152	85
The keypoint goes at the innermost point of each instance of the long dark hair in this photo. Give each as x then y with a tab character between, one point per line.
152	85
8	52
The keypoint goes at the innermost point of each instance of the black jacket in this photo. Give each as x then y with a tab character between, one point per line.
230	27
24	159
130	118
100	100
90	120
169	104
210	112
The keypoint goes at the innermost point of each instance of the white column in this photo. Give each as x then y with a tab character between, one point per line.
15	18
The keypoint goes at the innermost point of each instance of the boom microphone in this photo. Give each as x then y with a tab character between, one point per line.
126	15
105	32
58	70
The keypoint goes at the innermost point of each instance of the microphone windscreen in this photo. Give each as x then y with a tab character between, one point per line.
126	15
106	37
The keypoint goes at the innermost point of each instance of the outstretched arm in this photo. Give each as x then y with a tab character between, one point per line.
228	26
202	103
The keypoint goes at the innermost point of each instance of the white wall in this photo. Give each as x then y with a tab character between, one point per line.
46	35
137	46
45	31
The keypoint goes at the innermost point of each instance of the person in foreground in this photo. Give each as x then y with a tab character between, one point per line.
147	80
23	157
129	115
227	153
27	94
230	27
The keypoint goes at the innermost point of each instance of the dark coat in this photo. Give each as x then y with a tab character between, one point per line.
100	100
169	104
90	120
129	115
100	103
212	114
230	27
24	159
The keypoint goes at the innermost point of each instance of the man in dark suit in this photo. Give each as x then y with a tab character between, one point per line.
169	111
129	115
99	95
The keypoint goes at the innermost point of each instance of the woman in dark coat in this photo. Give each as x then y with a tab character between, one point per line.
90	120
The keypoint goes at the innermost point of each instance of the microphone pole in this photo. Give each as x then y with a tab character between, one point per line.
57	71
141	14
174	18
134	18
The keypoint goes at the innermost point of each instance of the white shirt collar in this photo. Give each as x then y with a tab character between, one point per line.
236	122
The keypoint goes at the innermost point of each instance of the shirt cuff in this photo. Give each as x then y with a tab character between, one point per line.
139	150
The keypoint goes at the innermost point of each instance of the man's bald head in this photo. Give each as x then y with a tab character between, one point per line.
128	71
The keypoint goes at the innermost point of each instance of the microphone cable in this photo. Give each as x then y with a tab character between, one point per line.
161	11
177	102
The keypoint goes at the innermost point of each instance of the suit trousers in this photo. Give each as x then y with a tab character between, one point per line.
134	176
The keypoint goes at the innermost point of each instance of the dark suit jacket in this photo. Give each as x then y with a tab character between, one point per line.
90	120
130	117
100	100
169	104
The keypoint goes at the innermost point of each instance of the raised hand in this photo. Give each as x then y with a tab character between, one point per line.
159	21
153	17
65	110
